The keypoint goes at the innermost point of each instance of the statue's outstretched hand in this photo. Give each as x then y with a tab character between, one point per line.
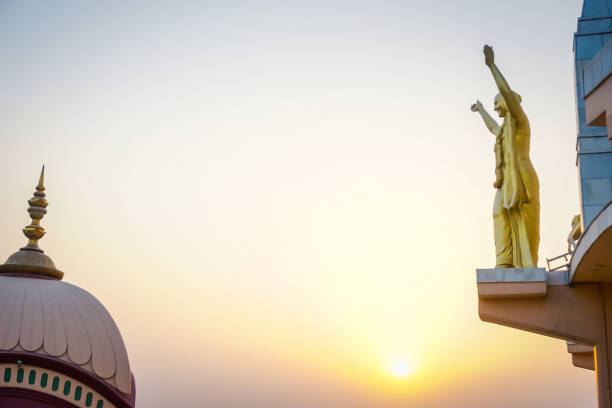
489	56
477	106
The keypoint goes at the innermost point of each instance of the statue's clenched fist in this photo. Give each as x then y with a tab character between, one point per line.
489	56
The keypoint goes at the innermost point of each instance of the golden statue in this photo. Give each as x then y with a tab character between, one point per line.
575	234
516	208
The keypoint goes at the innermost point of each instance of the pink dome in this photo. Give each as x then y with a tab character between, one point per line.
61	320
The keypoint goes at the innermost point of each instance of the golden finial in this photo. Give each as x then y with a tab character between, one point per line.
30	259
38	204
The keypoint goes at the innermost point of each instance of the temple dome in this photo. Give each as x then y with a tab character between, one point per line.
57	333
63	321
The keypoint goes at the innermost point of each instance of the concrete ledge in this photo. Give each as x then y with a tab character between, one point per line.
489	290
584	360
558	278
583	356
511	282
578	348
511	275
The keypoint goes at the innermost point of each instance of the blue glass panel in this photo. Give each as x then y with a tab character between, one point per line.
596	191
587	46
596	8
594	26
598	165
589	212
594	144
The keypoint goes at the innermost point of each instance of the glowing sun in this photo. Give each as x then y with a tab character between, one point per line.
400	369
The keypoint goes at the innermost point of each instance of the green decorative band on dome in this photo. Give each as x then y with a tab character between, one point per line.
62	386
32	377
67	387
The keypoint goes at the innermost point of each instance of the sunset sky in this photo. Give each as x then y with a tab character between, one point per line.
283	204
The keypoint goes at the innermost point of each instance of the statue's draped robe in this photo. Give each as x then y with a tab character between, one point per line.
516	209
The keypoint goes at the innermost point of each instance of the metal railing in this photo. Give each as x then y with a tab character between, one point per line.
571	246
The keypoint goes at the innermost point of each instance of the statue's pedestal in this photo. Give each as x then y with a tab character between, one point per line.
511	282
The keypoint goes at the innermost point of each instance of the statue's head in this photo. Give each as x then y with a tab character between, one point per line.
575	220
501	107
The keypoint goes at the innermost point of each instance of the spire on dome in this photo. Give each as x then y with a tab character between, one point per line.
31	260
38	209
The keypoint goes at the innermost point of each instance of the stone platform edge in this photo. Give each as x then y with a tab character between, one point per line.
517	282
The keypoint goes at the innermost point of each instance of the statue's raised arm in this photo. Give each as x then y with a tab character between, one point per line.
514	105
488	120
